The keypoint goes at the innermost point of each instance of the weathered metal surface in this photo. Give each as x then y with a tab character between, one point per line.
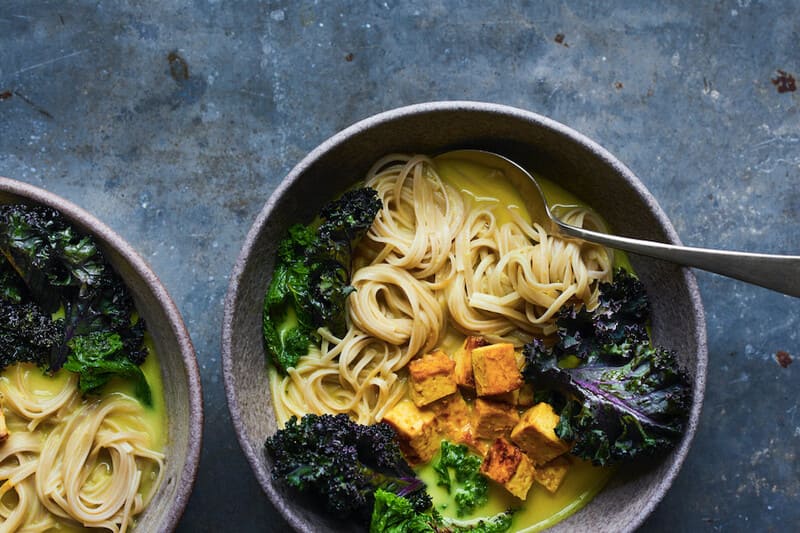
173	121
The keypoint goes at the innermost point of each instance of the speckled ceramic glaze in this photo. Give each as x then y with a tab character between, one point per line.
179	370
540	144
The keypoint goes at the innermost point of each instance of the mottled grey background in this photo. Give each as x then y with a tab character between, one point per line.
172	121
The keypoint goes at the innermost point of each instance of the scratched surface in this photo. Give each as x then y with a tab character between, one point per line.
172	121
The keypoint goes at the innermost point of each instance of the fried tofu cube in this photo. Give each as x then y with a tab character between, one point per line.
432	377
535	434
507	465
453	420
416	429
493	420
495	369
552	473
463	359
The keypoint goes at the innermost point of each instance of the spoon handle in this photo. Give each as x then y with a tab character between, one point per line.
777	272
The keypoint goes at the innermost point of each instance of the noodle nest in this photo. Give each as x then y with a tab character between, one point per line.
69	461
436	263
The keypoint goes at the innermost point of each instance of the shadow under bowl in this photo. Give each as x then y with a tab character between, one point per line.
179	371
549	148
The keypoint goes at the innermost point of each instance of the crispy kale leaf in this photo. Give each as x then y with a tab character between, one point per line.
345	221
310	282
56	269
395	514
27	334
47	252
472	488
621	316
341	464
625	398
12	289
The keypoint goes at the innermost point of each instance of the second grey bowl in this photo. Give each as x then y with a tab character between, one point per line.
542	145
179	371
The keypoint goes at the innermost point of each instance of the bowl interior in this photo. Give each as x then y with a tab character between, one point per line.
181	378
556	152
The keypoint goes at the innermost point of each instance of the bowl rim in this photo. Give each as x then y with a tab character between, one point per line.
75	213
699	383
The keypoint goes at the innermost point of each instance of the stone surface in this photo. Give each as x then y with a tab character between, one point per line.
173	121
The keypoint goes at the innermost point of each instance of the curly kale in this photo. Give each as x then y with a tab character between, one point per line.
341	464
344	222
50	269
394	514
47	252
98	357
27	334
12	288
311	279
472	487
621	316
286	323
619	396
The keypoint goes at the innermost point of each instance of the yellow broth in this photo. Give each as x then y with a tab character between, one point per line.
154	416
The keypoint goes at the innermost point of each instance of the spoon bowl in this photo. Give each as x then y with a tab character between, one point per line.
582	166
777	272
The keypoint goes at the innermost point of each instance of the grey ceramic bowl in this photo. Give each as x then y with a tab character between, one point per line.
552	149
182	393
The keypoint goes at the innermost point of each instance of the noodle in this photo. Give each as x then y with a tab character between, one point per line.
436	260
391	305
69	461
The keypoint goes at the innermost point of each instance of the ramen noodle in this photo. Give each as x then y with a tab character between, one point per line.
451	253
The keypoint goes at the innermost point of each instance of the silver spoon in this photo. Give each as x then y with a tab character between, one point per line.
777	272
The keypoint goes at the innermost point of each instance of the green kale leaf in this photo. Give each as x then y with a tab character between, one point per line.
472	488
395	514
287	320
311	278
98	357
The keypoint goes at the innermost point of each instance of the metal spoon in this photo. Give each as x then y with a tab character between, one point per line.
777	272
